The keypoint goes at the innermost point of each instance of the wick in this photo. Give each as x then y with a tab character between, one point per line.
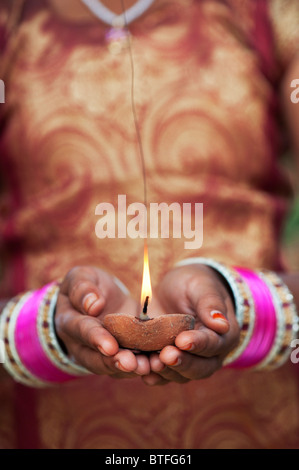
143	315
145	305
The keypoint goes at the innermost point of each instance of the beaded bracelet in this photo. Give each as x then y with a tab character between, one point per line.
287	321
47	334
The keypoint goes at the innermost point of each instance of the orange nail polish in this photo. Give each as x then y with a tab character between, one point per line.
102	351
188	347
119	366
89	300
218	315
177	362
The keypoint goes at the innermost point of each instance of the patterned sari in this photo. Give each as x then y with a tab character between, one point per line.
207	75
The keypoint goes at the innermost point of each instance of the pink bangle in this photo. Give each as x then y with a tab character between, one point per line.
287	321
28	344
34	356
265	325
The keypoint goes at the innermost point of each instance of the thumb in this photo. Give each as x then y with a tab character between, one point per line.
210	309
81	287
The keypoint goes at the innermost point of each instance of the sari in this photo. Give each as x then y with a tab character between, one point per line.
207	75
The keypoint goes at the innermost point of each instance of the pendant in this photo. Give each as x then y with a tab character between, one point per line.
118	39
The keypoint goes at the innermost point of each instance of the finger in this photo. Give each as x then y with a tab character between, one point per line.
165	372
189	366
156	364
81	286
92	301
203	342
120	365
153	379
124	361
211	308
87	331
91	360
143	365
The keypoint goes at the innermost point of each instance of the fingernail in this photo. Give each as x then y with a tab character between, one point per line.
119	366
160	368
188	347
103	351
216	315
177	362
89	300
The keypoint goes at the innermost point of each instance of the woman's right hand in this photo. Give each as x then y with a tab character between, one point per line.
86	295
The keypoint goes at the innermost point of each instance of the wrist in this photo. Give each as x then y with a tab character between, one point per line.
266	313
233	283
33	355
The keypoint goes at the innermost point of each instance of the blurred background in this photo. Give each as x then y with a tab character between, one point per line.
291	231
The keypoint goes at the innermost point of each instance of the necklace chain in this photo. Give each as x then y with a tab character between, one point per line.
108	17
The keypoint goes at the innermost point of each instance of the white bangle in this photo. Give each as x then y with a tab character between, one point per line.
287	321
48	337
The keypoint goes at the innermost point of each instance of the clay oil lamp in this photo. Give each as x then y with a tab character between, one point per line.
142	332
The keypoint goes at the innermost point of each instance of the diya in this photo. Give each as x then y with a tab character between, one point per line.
143	333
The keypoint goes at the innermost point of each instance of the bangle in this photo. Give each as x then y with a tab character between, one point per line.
47	334
287	321
263	333
12	362
33	355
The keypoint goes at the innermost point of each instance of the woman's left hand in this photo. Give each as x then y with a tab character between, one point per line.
197	290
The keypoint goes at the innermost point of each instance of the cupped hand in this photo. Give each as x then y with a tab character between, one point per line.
200	291
86	295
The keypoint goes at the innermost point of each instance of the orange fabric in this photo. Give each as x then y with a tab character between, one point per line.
206	83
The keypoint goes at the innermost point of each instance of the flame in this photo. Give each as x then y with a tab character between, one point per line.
146	289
